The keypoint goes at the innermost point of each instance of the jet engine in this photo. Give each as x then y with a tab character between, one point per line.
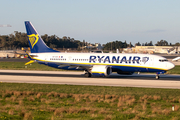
101	70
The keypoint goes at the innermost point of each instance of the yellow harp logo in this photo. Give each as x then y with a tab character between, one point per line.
33	39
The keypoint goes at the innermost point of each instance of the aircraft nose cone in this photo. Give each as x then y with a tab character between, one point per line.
170	66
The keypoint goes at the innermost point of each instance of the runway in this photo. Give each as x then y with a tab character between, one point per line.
14	59
77	78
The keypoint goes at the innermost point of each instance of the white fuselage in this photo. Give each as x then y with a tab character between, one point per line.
109	59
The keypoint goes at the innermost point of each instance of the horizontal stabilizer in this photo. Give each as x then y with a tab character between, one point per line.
31	61
29	56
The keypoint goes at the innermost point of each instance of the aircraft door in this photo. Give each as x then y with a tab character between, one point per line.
46	58
69	59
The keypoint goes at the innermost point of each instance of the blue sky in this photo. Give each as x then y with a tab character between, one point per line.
96	21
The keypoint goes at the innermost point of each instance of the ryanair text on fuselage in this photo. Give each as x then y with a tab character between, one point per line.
117	59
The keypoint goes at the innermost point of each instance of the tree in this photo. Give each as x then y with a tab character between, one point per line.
177	44
138	44
19	40
162	43
130	45
150	43
115	45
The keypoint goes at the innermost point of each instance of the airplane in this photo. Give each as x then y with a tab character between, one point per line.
100	64
176	59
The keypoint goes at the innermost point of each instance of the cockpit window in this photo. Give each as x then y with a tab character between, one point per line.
163	60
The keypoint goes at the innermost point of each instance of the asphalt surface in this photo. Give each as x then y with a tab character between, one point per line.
171	56
77	78
14	59
81	75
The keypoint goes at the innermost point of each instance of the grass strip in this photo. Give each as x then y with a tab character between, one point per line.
21	66
47	101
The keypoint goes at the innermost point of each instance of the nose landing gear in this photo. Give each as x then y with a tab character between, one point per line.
157	76
158	73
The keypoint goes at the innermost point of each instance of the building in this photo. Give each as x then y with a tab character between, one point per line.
153	49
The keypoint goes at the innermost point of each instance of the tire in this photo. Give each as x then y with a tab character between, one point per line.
87	74
157	77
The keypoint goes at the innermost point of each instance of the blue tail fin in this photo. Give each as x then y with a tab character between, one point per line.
36	43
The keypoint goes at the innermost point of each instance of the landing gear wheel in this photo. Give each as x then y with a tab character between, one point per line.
157	76
87	74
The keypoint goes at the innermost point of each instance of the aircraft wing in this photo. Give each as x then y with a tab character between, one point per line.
77	66
175	59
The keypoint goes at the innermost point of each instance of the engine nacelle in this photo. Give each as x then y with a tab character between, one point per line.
101	70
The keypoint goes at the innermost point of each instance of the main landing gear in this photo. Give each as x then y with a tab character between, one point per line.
87	74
